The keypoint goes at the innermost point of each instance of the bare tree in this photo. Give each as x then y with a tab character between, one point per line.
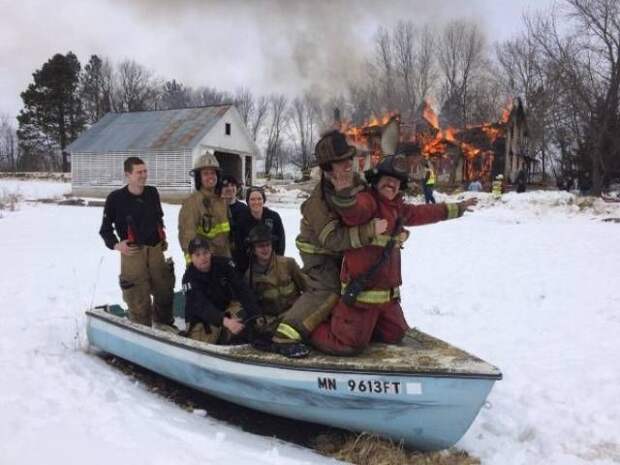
305	113
8	143
585	57
205	96
258	116
404	58
425	63
244	101
461	57
382	69
137	89
278	105
522	72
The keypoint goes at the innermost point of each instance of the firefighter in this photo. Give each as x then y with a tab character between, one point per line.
369	308
497	187
277	282
429	182
217	301
133	225
204	212
323	238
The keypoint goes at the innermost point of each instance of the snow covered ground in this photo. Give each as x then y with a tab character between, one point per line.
530	283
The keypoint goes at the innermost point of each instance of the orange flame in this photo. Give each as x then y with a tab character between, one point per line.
475	143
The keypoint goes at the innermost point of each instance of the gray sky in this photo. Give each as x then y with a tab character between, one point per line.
266	45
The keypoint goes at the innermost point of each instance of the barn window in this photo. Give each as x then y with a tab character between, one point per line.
227	129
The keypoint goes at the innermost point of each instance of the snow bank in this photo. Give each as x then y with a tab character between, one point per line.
33	190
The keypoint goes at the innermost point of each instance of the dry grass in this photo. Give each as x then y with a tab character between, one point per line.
8	201
359	449
366	449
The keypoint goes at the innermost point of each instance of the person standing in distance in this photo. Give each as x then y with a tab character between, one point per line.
133	225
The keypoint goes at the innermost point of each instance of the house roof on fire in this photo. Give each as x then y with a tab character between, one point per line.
176	129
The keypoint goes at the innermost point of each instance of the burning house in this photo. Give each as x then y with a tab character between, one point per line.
458	154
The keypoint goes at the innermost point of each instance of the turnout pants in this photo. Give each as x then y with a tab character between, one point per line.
351	329
144	274
215	334
313	306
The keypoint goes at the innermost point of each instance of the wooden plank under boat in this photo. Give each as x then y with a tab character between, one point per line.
423	391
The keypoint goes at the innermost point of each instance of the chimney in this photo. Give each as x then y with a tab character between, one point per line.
337	117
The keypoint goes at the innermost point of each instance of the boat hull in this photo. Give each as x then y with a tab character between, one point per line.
426	412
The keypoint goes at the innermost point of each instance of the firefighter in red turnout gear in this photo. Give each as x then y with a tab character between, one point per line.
369	309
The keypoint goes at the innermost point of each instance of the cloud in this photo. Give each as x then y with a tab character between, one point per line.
267	45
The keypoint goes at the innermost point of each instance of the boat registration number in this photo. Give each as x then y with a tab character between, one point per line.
370	386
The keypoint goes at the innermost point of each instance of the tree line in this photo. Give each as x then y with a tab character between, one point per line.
568	78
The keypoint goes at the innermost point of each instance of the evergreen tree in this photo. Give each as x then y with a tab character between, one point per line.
52	112
92	90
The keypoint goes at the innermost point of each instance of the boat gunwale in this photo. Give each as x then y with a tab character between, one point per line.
148	332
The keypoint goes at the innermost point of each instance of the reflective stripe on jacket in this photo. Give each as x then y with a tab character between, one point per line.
431	177
205	213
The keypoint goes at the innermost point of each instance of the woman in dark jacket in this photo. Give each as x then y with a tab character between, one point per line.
259	214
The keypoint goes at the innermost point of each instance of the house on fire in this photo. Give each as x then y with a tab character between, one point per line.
168	141
459	154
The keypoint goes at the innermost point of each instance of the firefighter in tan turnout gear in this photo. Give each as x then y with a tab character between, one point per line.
277	283
205	213
323	238
133	225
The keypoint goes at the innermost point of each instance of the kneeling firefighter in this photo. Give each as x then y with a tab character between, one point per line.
277	282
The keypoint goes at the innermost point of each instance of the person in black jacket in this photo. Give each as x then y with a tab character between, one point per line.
521	181
236	211
217	301
133	225
259	214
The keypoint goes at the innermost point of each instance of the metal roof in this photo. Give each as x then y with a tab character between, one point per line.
149	130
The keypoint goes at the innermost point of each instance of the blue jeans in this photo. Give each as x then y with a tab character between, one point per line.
428	193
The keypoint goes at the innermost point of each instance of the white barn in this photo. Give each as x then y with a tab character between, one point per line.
168	141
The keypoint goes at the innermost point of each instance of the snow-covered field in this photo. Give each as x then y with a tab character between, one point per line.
530	283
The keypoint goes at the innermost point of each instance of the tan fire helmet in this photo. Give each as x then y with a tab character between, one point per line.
333	147
206	160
